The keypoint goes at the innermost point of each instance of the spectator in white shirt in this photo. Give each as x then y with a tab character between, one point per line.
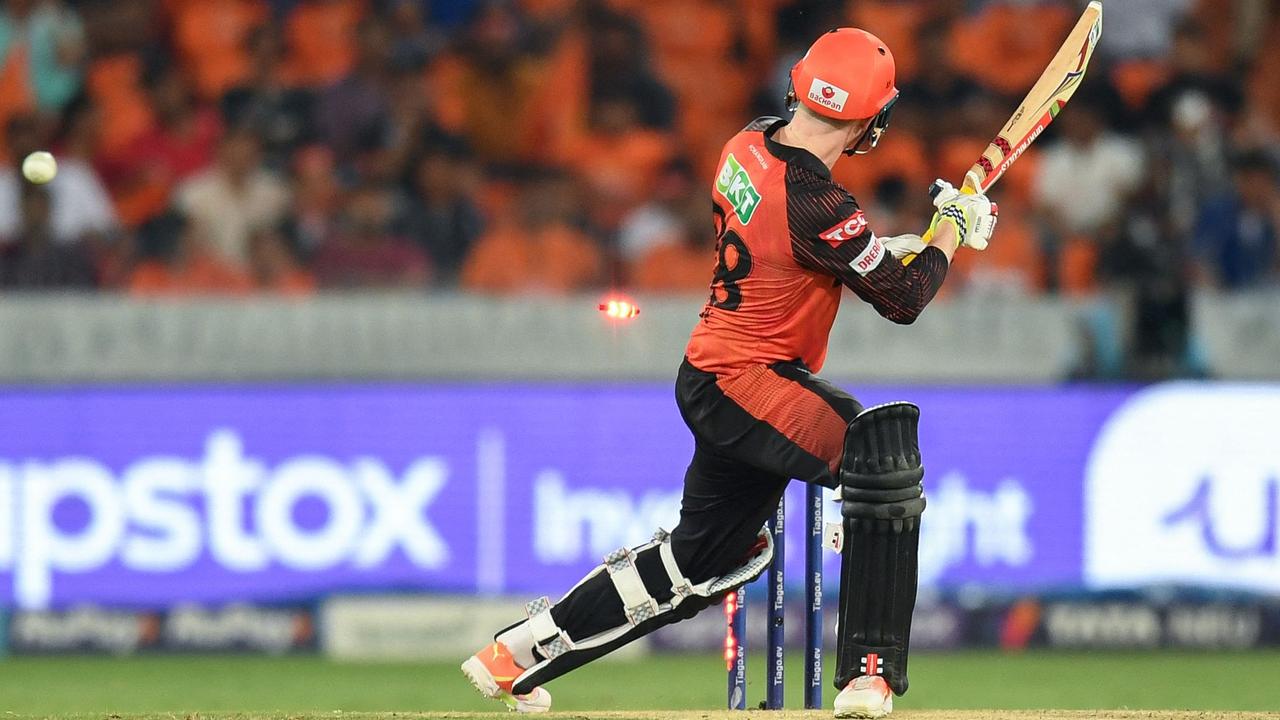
235	198
1085	179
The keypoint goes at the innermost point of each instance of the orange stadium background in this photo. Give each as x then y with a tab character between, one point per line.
572	139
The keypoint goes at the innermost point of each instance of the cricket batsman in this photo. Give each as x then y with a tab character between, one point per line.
789	240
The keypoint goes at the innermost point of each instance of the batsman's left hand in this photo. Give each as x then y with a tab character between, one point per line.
972	215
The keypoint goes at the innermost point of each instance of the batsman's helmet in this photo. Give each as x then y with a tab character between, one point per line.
848	74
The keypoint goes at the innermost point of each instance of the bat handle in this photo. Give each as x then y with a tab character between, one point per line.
937	186
972	185
968	188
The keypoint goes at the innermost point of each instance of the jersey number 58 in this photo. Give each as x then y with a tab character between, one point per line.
733	264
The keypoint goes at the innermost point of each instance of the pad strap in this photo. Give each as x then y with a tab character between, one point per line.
551	640
637	604
681	588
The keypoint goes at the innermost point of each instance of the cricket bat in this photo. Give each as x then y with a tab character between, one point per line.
1059	81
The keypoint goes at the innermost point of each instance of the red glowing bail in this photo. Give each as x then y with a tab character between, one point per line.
619	309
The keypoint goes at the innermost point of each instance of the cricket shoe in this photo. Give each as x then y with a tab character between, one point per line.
492	671
867	696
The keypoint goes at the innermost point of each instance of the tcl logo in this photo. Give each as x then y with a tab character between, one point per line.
850	228
869	258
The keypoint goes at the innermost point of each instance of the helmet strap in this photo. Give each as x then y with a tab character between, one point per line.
865	142
870	137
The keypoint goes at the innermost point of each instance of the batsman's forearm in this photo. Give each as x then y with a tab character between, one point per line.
945	239
866	266
904	297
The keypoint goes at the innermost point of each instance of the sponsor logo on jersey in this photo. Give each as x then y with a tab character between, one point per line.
735	185
847	229
828	95
870	256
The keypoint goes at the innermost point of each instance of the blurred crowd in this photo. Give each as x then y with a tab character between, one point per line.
236	146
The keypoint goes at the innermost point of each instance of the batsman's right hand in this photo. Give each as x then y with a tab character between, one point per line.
972	215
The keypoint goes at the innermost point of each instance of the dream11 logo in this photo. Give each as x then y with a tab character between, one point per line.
1183	486
163	513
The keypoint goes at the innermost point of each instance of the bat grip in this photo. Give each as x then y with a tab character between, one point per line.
936	188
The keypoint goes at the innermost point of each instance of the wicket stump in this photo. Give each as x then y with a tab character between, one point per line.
735	652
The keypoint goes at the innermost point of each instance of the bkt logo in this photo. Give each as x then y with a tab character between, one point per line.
162	514
1183	486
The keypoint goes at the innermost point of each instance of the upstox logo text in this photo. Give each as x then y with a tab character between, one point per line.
165	514
735	185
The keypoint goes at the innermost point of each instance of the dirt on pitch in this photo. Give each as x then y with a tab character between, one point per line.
897	715
676	715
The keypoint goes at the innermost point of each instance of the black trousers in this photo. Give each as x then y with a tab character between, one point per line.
754	431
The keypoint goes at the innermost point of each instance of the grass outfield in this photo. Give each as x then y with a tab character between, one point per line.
302	687
707	715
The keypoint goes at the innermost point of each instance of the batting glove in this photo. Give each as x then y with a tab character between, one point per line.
903	245
972	215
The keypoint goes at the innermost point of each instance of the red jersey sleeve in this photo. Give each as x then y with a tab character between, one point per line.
830	235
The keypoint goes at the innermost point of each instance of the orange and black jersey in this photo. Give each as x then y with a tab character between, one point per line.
788	238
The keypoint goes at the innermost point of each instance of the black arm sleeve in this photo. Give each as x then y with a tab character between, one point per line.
830	235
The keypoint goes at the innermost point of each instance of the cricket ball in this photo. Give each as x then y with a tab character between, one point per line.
39	167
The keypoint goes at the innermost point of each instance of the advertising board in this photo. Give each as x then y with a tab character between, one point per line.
149	497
